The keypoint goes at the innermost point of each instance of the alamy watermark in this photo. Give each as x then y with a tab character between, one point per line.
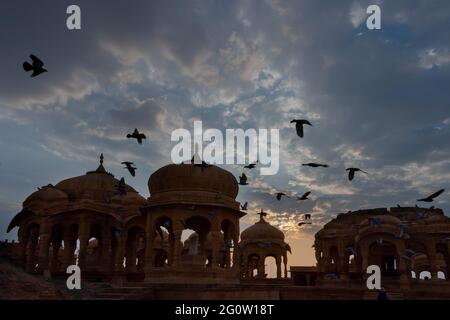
229	149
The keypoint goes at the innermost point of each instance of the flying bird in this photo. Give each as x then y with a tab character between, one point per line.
36	66
280	194
405	258
351	172
129	166
304	196
299	126
244	207
410	252
137	135
243	180
251	165
315	165
431	197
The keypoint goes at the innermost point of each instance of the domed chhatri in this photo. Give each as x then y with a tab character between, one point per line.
262	231
193	183
258	242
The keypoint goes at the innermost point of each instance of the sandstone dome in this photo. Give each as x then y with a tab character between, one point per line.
45	198
188	177
261	231
97	185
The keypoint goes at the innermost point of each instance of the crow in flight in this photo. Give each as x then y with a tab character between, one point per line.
351	172
137	135
251	165
129	166
304	196
244	207
280	194
431	197
299	126
315	165
36	66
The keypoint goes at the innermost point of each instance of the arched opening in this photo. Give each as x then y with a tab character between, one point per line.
441	275
425	275
270	267
135	250
384	255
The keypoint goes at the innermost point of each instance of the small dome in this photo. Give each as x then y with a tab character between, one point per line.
262	230
437	218
97	185
383	219
46	194
189	177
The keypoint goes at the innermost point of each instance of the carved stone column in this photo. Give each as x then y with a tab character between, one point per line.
278	263
44	240
83	237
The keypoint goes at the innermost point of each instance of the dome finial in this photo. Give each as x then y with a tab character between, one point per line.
261	215
101	158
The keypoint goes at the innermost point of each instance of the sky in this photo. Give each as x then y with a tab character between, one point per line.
378	99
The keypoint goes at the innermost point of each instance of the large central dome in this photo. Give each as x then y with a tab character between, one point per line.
189	177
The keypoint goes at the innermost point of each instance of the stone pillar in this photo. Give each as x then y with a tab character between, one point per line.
261	269
31	244
404	269
106	249
431	253
215	235
285	260
44	239
22	247
177	247
278	263
236	253
83	237
56	245
118	258
69	249
149	247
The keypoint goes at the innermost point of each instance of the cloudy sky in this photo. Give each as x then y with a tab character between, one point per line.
378	99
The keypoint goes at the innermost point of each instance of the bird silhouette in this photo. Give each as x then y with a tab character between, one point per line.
431	197
244	207
243	180
129	166
121	187
202	165
304	196
351	172
315	165
306	220
36	66
280	194
137	135
251	165
351	250
299	126
373	221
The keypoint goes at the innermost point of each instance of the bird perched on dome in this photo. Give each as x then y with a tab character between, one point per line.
243	180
